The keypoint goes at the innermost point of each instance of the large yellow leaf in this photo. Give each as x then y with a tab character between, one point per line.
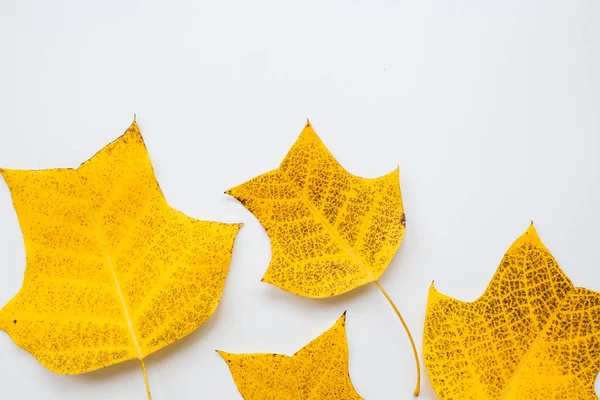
317	371
330	231
113	272
531	336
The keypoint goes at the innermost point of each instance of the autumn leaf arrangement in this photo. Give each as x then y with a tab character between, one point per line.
114	273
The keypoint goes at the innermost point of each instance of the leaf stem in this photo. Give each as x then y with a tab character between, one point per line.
412	342
146	379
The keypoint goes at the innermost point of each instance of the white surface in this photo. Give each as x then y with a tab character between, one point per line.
491	109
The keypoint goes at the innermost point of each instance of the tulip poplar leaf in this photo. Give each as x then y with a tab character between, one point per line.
113	272
317	371
330	231
532	334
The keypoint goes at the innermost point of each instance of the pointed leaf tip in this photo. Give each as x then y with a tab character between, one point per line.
434	292
341	320
432	287
343	317
224	355
531	232
232	192
529	236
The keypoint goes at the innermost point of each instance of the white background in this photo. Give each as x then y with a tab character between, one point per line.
490	108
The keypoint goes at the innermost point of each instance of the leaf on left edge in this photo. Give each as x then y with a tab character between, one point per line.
113	272
317	371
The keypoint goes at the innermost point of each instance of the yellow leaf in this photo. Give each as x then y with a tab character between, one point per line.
531	336
113	272
317	371
330	231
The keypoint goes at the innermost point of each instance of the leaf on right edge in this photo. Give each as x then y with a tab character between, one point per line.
532	334
317	371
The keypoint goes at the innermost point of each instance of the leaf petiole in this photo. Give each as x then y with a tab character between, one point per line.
146	379
412	342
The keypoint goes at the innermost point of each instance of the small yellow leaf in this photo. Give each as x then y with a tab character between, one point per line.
330	231
113	272
317	371
531	336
